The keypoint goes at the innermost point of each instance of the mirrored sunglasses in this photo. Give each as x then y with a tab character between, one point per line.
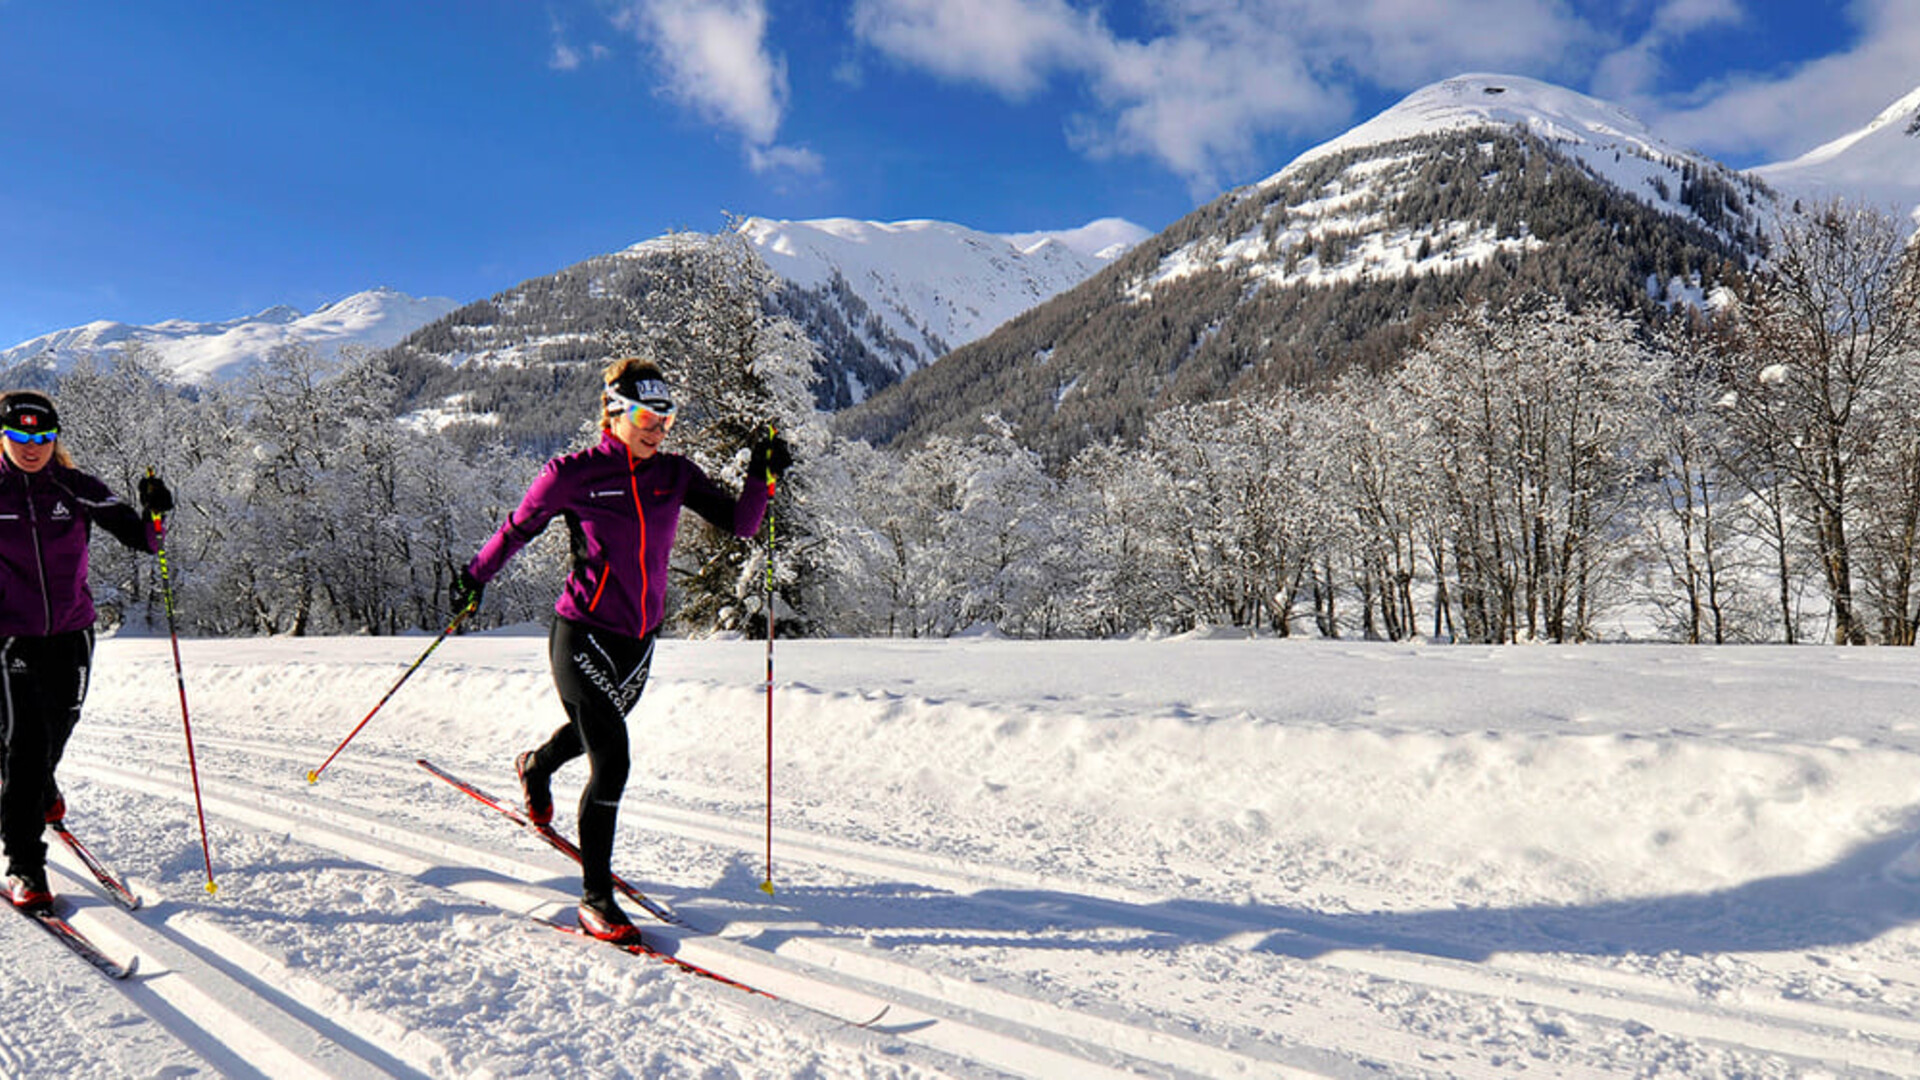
19	436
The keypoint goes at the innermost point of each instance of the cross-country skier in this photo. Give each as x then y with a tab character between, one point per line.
621	500
47	512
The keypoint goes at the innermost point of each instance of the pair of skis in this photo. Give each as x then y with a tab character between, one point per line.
636	946
51	920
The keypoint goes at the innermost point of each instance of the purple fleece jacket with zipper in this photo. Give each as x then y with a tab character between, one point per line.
621	515
46	519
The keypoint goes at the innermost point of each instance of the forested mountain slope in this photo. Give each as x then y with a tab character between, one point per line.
877	300
1341	259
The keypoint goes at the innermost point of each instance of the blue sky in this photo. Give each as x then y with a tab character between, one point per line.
163	159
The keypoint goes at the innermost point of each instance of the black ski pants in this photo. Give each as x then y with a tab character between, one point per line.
600	675
43	680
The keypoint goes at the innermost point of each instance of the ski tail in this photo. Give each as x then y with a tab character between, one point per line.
640	947
553	838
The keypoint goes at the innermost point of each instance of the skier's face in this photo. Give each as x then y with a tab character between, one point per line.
28	456
642	431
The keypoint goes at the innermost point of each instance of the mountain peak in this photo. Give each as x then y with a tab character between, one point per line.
1878	164
1890	117
1551	112
1103	239
1605	139
921	287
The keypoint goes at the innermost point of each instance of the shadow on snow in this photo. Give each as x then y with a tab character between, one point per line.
1849	902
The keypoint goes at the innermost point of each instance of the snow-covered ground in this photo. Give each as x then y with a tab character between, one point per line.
1173	858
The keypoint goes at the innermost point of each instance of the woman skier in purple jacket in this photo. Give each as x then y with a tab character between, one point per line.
47	512
621	500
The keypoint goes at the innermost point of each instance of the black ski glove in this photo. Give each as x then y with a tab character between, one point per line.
465	592
154	496
771	457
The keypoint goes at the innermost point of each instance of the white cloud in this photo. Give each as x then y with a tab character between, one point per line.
1200	84
1405	44
1198	103
713	58
1013	46
1679	17
1782	116
564	57
850	74
1199	93
1636	68
783	159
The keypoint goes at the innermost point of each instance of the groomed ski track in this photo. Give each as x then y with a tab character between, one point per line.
498	867
373	925
243	1008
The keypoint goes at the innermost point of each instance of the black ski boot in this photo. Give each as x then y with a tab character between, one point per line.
601	917
534	789
28	891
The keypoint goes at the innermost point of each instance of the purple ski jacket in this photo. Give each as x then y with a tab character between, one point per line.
46	521
622	514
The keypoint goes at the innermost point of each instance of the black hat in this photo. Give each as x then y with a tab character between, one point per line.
633	388
29	411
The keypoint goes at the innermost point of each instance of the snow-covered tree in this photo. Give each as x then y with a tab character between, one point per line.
1364	432
1821	395
1533	416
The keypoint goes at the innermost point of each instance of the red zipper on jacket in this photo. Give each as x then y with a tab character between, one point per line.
606	572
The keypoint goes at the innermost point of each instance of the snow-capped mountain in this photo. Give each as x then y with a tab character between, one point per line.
1607	138
1481	186
911	291
879	300
200	352
932	285
1879	164
1602	138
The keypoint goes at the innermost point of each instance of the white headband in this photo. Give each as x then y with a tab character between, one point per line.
652	395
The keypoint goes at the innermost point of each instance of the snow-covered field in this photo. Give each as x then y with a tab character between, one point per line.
1174	858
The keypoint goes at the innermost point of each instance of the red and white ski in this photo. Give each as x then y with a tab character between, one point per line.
638	946
553	839
57	925
115	885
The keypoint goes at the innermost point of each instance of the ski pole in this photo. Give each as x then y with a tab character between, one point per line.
313	776
180	679
767	885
